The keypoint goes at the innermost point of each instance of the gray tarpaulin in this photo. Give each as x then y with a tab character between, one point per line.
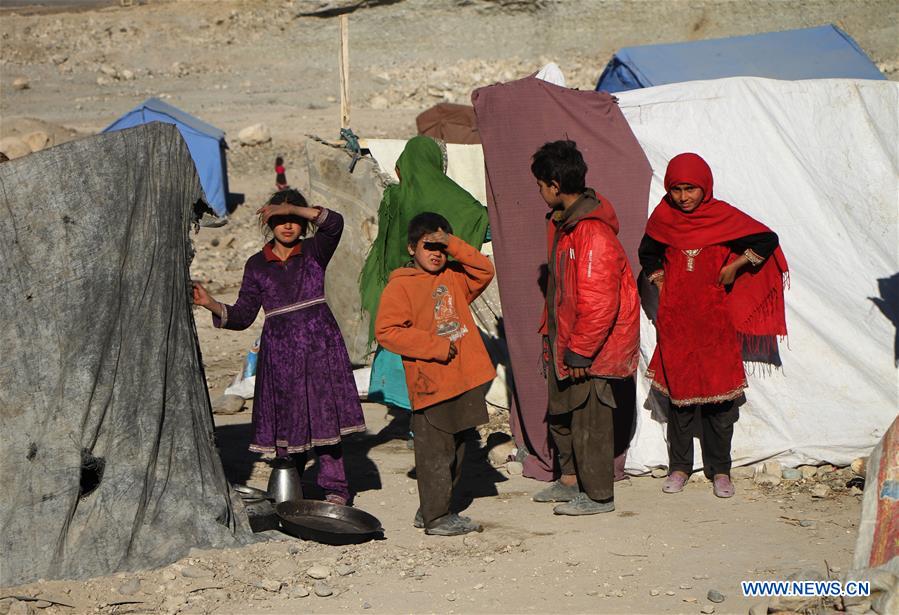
107	460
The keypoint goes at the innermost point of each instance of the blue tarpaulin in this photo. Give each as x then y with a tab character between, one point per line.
825	52
206	144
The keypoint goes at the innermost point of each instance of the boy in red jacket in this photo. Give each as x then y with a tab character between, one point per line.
424	317
591	330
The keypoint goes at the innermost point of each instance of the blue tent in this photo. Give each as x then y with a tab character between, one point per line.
206	145
812	53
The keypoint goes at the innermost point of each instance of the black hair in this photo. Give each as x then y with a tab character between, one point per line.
427	222
279	161
560	161
291	197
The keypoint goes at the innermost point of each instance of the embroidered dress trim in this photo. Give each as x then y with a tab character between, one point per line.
691	256
655	275
754	259
293	307
322	215
692	401
258	448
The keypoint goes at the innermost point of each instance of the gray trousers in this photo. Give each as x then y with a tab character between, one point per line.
584	438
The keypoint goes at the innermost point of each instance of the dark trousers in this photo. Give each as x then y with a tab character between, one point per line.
714	424
438	465
584	439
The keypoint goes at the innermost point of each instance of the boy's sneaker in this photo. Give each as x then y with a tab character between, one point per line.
453	525
583	505
557	492
419	522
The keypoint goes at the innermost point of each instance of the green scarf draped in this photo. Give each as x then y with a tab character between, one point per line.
423	187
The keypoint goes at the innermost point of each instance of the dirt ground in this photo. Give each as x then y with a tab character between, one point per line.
237	63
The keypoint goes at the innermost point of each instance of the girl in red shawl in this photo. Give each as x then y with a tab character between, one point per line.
720	276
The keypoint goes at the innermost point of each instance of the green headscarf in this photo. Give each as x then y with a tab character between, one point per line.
423	187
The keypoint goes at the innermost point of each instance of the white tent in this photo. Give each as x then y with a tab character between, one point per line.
816	161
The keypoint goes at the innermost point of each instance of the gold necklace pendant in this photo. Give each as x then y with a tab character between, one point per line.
691	255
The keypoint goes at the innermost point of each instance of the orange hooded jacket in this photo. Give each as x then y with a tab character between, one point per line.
421	312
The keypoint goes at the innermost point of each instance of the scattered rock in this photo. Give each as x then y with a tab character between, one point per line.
366	605
808	471
127	75
479	586
707	609
514	468
195	572
659	472
37	140
294	549
500	453
791	474
129	587
254	135
860	466
806	523
21	83
766	479
489	559
345	570
14	147
686	586
322	589
742	472
299	592
825	470
821	491
319	572
228	404
715	596
654	592
269	585
773	468
669	593
471	541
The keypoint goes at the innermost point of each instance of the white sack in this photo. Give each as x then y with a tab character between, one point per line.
816	161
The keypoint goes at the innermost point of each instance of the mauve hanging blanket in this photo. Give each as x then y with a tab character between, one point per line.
514	120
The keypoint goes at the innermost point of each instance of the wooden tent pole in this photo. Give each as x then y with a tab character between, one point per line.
344	71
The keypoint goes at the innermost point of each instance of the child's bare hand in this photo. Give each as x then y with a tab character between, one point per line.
201	295
727	275
267	211
578	373
438	236
453	351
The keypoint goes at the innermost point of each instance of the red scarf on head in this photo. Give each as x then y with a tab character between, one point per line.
756	301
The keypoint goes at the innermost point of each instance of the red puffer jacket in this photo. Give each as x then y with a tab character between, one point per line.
597	310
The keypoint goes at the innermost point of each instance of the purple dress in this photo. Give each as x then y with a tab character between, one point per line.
305	392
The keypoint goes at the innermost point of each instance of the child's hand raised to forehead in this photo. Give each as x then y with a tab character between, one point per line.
266	212
438	236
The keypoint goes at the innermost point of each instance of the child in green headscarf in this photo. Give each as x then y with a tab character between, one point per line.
423	186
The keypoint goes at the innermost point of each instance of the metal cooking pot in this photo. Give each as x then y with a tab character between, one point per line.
284	481
328	523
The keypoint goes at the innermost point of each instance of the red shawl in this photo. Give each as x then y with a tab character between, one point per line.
756	301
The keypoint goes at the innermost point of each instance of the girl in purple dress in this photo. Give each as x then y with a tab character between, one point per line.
305	393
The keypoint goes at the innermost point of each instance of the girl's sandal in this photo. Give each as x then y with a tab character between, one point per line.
675	482
333	498
722	486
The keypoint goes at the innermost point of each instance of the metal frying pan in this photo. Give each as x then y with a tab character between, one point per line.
328	523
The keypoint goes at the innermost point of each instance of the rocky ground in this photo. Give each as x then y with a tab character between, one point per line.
67	72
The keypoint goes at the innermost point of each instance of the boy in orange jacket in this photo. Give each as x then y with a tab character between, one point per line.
424	317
